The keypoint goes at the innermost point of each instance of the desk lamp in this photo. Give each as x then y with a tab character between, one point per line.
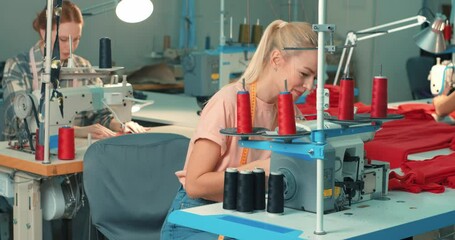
130	11
430	39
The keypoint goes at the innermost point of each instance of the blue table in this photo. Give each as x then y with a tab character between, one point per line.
402	215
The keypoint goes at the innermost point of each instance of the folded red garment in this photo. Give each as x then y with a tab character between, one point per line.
427	108
429	175
404	183
416	111
413	106
397	139
436	170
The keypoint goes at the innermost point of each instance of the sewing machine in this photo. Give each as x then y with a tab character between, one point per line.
347	178
208	71
116	97
63	196
441	76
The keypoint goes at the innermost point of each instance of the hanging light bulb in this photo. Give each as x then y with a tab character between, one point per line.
133	11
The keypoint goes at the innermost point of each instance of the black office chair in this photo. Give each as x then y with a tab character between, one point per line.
418	69
130	183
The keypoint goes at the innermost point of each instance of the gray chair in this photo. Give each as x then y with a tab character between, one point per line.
2	119
130	183
418	69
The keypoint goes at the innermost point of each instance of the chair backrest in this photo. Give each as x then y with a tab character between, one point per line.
2	119
418	69
130	182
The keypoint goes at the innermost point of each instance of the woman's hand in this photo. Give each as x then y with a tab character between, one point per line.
128	127
134	127
97	131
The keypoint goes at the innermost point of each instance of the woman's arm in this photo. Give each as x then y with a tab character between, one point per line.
202	181
97	131
444	105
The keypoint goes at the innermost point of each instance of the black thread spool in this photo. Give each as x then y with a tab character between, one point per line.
230	189
275	199
245	187
256	34
244	34
259	189
105	53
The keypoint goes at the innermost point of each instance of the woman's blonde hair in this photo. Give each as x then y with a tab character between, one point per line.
70	13
278	35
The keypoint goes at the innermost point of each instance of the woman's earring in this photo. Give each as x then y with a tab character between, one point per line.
274	69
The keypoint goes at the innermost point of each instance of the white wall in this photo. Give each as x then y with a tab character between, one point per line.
390	51
393	50
133	43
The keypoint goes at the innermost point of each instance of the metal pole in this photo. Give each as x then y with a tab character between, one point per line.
320	120
222	37
46	79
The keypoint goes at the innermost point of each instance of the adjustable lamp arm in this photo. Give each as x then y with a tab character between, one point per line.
46	78
352	38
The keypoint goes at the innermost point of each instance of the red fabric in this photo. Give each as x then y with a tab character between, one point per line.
417	111
430	175
397	139
405	183
420	108
450	182
417	132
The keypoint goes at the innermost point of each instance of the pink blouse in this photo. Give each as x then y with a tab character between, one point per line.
220	113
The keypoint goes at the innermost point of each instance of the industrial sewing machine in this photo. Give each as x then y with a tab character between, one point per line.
441	77
117	97
348	179
206	72
62	196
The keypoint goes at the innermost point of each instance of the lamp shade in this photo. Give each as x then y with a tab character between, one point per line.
431	39
133	11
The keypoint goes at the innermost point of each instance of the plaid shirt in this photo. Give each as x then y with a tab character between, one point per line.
18	78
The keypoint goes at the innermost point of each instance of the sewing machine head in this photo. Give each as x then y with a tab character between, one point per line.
441	77
73	101
348	178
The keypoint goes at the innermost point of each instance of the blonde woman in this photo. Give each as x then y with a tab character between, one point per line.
210	153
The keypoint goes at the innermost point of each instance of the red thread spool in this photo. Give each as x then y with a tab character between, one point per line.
447	32
379	97
66	148
346	101
244	122
39	149
286	115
